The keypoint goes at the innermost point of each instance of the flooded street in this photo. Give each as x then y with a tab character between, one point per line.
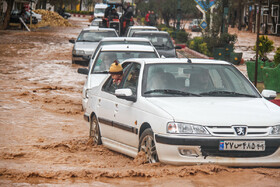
44	138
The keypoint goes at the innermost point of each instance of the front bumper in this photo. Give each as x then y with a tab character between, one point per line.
78	59
205	150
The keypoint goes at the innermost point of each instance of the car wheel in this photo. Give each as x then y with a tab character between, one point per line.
147	145
94	131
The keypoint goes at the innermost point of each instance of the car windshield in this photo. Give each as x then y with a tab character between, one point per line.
106	58
99	10
94	35
137	30
160	41
198	80
96	22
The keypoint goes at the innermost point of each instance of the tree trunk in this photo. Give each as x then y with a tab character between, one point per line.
81	2
7	15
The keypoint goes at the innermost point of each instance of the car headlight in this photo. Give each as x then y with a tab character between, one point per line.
184	128
275	130
78	52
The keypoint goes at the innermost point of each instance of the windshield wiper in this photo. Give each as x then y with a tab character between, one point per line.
226	93
169	91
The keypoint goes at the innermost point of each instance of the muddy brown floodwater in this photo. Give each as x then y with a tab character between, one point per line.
44	139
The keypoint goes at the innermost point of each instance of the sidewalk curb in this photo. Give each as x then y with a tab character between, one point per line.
195	53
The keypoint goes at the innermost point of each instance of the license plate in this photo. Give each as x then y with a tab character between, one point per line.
228	145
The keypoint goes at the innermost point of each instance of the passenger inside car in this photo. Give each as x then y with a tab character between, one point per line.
162	80
201	81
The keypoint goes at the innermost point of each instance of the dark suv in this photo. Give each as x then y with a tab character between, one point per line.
162	42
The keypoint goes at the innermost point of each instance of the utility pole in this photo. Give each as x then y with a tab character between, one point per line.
178	15
257	47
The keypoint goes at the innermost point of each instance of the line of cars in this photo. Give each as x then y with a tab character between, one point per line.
177	111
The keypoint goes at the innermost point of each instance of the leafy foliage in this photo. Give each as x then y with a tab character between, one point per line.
277	57
265	46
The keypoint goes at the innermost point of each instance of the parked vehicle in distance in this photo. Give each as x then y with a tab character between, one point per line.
133	29
195	25
185	112
38	16
161	40
99	10
119	40
16	14
97	22
87	41
105	56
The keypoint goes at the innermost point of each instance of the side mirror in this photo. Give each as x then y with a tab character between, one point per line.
125	93
162	56
269	94
178	47
83	71
72	41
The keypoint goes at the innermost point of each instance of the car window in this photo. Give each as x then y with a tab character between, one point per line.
159	41
95	36
106	58
131	79
136	30
120	42
109	86
199	79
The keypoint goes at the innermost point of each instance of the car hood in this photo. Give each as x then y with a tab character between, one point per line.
167	53
86	46
98	15
220	111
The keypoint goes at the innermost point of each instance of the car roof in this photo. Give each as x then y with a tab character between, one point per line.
152	32
125	39
143	27
178	60
128	47
96	19
98	29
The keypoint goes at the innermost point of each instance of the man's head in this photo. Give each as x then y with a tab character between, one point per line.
116	70
114	10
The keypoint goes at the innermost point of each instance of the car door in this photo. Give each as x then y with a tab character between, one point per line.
105	112
105	107
125	112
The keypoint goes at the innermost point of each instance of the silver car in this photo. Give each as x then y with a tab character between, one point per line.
87	41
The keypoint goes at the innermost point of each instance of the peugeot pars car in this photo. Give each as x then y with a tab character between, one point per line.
117	41
186	111
105	56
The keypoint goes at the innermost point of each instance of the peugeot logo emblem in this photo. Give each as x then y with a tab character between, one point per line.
240	131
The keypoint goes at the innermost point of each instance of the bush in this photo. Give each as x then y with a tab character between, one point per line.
195	42
204	49
182	36
265	46
277	57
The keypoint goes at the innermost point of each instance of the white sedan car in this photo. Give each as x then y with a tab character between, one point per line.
105	56
183	112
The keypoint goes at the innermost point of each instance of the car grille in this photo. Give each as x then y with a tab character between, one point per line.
214	151
229	130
